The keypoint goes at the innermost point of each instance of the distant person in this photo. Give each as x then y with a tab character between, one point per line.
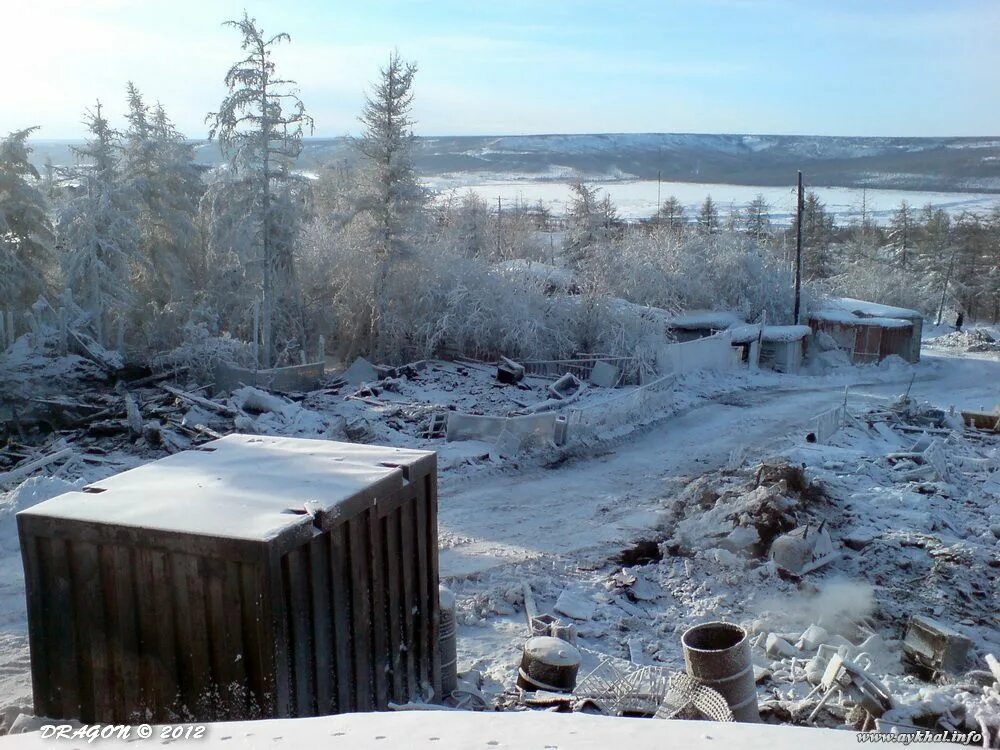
959	320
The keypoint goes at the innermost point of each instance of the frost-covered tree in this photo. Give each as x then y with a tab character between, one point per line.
97	229
157	166
817	238
259	126
708	217
26	255
672	213
393	196
757	219
901	234
587	216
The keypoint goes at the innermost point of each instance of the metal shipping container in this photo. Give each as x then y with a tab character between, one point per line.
252	577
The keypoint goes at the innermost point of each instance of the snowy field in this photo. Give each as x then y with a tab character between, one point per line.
637	199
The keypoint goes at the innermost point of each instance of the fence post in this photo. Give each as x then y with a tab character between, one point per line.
63	332
321	354
11	331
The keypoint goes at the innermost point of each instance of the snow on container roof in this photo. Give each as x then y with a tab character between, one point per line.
244	487
744	334
845	318
719	319
864	309
784	333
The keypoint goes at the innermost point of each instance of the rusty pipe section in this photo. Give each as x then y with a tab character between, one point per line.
717	654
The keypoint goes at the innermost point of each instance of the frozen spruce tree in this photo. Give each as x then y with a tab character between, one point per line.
25	231
157	166
708	217
671	214
585	215
259	127
391	195
97	229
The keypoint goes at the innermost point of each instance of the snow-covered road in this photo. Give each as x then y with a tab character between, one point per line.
585	510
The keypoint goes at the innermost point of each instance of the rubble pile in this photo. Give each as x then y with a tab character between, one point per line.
973	340
866	572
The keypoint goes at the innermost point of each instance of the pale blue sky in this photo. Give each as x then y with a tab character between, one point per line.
828	67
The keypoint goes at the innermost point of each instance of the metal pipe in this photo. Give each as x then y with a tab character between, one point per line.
717	655
447	642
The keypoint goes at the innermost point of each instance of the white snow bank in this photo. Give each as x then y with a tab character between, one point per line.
30	492
460	730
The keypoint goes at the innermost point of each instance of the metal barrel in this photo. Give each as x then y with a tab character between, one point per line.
717	654
447	642
548	664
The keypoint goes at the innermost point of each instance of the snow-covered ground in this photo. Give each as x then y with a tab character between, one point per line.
559	519
636	199
463	730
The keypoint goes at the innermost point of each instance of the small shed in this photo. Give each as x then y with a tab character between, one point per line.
866	339
746	341
872	310
783	348
698	324
253	577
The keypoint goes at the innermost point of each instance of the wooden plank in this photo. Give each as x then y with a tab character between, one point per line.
431	540
408	561
322	623
276	605
96	674
391	562
357	544
380	655
128	628
116	623
296	572
426	589
234	689
221	660
258	649
343	641
38	637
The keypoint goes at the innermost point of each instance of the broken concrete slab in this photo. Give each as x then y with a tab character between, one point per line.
488	428
604	375
740	539
360	371
565	387
575	604
812	638
933	645
778	648
509	371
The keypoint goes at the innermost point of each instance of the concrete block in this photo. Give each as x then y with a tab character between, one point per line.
604	375
566	386
360	371
934	645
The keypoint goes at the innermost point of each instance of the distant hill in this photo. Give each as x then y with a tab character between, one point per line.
947	164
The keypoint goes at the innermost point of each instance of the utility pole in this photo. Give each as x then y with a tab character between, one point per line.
798	251
658	203
499	255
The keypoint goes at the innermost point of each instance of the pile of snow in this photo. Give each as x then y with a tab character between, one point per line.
973	340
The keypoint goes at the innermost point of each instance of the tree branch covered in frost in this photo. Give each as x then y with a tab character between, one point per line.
26	237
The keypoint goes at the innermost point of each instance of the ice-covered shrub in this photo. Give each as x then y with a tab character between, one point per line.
202	349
